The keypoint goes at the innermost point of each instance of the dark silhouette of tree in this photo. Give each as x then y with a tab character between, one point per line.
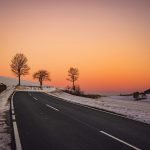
73	74
136	95
41	75
19	66
147	91
2	87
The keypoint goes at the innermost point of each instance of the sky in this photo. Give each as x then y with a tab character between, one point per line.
107	40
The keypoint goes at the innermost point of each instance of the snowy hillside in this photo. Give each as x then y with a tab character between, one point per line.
13	81
5	136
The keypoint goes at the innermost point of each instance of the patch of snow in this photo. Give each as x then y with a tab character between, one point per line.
51	89
37	89
5	137
125	105
13	81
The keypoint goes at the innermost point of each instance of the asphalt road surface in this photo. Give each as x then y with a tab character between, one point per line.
49	123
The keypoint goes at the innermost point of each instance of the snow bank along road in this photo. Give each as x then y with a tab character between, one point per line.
49	123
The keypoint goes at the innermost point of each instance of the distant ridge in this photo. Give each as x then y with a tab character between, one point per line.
147	91
13	81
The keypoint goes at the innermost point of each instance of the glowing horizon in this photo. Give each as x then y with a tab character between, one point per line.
108	42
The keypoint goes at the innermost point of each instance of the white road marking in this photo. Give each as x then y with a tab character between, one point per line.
17	139
12	111
16	134
35	98
52	107
13	117
120	140
90	107
29	94
105	111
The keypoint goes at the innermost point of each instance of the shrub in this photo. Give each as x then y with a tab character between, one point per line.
2	87
78	92
136	95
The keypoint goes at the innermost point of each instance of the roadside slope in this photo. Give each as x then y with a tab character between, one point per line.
5	135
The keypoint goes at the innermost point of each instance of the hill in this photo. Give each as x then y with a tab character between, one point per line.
147	91
13	81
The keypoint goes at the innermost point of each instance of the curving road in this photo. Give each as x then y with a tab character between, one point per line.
48	123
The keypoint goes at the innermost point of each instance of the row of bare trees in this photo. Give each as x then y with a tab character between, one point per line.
20	68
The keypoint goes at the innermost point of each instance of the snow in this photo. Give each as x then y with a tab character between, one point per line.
124	105
13	81
36	89
5	137
27	85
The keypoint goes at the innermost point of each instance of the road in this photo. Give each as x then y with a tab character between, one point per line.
48	123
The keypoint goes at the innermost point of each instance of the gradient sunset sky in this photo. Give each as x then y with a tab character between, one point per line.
108	41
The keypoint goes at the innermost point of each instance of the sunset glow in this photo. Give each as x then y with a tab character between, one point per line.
108	42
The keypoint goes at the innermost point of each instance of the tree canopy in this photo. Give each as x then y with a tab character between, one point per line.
41	75
73	74
19	65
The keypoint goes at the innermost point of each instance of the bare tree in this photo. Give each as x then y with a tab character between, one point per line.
19	66
73	74
41	75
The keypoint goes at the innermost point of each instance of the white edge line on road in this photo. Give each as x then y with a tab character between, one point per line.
52	107
29	94
13	117
12	111
104	111
120	140
16	134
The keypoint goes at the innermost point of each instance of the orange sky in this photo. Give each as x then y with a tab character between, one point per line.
108	42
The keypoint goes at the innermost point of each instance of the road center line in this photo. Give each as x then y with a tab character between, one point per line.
52	107
83	105
113	137
35	98
120	140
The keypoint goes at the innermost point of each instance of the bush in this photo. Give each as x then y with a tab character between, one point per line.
2	87
147	91
78	92
136	95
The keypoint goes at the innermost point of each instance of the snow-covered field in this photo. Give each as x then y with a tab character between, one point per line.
5	137
13	81
125	105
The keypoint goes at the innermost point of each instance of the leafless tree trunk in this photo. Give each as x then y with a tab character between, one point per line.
73	74
19	80
41	75
19	66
